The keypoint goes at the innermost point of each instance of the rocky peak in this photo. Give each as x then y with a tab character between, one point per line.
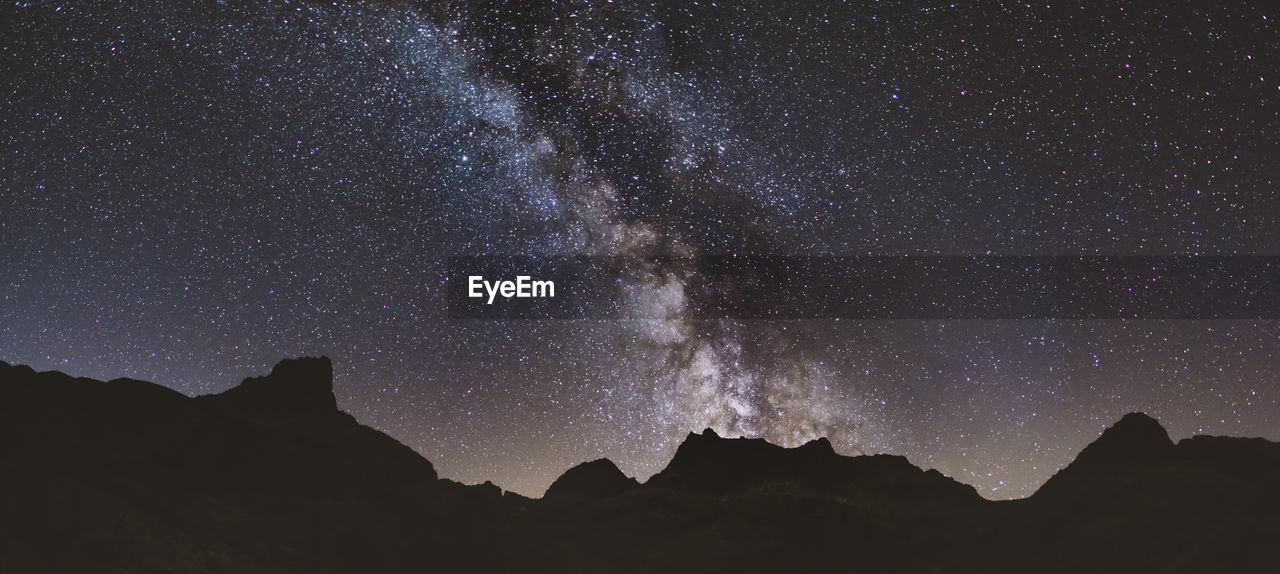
599	478
304	384
1136	435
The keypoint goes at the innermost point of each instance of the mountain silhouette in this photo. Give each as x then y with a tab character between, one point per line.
269	476
1133	494
295	386
707	461
597	479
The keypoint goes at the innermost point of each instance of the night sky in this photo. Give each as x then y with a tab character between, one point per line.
191	191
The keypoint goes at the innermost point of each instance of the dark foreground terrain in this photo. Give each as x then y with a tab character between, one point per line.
128	476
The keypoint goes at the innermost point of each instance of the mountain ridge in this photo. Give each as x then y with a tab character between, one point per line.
269	476
304	385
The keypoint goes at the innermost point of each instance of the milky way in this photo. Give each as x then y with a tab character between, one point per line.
191	192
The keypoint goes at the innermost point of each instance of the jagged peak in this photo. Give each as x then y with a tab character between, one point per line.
1136	438
1135	434
819	445
708	456
304	383
707	433
311	370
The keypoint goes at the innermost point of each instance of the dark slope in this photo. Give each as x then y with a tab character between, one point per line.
1134	443
1139	502
267	477
594	480
127	476
708	462
747	505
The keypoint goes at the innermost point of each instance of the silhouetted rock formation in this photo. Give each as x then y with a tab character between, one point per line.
295	386
1136	440
1136	455
597	479
1137	500
707	461
269	476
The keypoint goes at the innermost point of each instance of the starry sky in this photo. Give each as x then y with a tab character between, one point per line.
190	191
